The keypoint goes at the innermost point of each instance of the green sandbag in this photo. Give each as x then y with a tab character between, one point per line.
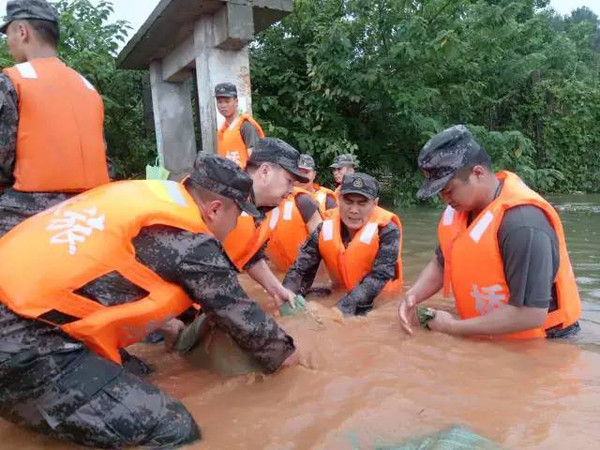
156	172
207	347
425	315
287	310
454	438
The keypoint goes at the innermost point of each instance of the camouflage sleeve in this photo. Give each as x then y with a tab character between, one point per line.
9	119
249	134
299	278
211	280
360	299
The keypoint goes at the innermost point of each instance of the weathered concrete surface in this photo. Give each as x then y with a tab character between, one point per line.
174	124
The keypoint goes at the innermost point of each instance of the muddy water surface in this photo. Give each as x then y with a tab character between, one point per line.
365	383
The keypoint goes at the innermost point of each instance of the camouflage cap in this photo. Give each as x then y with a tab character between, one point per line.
276	151
443	155
226	90
28	9
360	183
344	160
224	177
306	162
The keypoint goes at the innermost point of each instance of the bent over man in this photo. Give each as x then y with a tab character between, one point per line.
502	249
110	266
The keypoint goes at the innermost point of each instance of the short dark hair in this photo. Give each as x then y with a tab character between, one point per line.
48	31
481	158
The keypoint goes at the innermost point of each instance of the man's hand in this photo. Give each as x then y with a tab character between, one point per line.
442	322
292	360
283	295
407	310
171	332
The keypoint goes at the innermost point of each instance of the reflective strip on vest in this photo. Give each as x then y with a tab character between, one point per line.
27	70
274	218
288	208
448	217
481	225
327	230
367	235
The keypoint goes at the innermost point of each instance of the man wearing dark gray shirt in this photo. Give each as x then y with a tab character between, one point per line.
502	250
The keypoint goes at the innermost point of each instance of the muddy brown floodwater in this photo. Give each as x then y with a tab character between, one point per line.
367	384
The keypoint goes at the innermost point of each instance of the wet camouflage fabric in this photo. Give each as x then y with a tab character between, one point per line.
359	300
78	396
198	265
28	9
9	121
443	155
306	162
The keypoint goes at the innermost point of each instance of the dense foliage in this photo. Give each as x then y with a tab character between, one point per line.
379	77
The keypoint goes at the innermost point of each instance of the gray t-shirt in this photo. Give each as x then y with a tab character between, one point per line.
529	249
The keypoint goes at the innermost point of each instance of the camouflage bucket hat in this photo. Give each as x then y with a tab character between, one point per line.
228	90
345	160
276	151
443	155
360	183
225	178
306	162
28	9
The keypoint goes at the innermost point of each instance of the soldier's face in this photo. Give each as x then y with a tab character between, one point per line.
224	217
338	174
227	106
271	185
355	210
311	175
17	34
462	192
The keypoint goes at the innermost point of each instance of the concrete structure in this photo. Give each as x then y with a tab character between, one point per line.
203	38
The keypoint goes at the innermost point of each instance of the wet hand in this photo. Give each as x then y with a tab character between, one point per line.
285	295
442	322
407	311
171	332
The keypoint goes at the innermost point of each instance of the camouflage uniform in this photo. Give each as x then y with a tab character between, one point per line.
17	206
54	385
359	300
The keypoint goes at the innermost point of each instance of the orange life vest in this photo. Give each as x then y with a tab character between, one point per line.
60	143
60	250
348	266
246	239
230	144
289	234
321	194
473	265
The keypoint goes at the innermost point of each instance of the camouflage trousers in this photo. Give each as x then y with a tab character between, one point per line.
78	396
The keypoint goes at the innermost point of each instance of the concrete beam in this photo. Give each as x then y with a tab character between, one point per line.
172	22
233	26
178	65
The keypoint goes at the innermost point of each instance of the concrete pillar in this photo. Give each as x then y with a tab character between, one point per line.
218	59
174	123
